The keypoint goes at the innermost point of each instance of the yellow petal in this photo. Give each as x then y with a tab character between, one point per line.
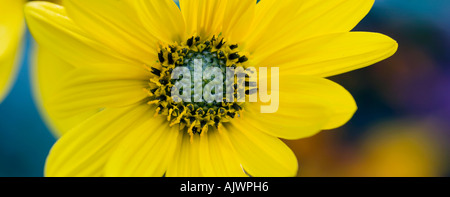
161	18
203	17
115	24
331	54
278	23
261	155
53	30
85	149
307	105
238	15
11	32
217	157
146	151
47	72
186	162
84	90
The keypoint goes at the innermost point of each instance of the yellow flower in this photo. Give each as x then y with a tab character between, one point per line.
112	74
11	32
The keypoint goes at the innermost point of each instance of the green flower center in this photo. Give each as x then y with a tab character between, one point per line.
198	97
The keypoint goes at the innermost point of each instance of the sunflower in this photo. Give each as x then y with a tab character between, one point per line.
11	31
104	82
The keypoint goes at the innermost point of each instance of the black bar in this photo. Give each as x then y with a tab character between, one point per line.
230	186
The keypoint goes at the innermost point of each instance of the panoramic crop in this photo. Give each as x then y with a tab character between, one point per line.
107	71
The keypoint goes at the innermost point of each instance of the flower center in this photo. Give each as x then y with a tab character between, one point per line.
201	97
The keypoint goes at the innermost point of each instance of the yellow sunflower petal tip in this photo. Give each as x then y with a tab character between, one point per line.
11	33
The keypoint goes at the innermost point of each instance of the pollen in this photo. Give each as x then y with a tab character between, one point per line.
196	116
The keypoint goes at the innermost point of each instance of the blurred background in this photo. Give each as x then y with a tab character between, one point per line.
402	126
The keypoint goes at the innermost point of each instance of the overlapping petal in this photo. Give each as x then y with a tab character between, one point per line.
55	31
85	150
217	156
307	105
203	17
230	18
330	54
186	162
47	73
162	19
87	89
281	23
146	151
115	24
260	154
237	17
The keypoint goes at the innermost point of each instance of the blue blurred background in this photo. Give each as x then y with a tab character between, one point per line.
24	138
402	127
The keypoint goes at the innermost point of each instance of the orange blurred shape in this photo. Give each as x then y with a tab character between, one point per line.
392	149
402	149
